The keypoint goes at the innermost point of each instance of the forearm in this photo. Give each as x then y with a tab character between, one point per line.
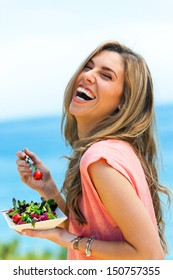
119	250
110	250
116	250
100	250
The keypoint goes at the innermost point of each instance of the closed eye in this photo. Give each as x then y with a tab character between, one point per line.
87	67
107	76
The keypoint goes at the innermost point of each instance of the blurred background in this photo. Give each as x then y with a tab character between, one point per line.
41	45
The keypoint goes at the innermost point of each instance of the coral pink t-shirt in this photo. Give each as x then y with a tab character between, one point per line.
121	156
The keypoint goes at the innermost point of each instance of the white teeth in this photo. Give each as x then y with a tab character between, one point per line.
87	92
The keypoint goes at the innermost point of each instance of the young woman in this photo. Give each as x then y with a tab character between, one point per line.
111	186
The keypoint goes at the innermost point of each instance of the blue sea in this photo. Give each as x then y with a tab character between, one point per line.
43	136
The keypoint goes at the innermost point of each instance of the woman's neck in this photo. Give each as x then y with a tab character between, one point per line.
84	129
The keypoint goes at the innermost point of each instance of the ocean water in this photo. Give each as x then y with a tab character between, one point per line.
43	136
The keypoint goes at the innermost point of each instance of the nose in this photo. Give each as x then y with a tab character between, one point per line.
89	76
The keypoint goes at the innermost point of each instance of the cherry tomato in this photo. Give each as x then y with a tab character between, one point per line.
16	218
38	175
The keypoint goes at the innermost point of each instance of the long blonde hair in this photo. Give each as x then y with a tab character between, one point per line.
133	123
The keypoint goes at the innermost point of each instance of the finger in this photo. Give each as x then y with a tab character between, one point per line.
24	171
21	154
23	168
36	233
21	162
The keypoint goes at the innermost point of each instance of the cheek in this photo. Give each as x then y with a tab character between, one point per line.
113	93
110	105
111	99
75	83
78	78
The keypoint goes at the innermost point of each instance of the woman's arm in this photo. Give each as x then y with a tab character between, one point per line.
125	208
45	187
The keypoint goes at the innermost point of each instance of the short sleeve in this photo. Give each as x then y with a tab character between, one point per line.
119	155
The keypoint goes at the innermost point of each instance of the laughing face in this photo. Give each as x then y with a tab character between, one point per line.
98	89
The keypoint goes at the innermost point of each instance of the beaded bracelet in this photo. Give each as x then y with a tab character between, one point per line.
76	242
88	246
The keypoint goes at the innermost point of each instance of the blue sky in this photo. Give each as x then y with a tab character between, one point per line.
43	42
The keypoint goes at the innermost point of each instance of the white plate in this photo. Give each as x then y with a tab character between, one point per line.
41	225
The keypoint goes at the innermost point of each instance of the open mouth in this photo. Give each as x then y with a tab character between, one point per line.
84	94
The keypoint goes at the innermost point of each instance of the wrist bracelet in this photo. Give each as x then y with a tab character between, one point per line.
76	242
88	246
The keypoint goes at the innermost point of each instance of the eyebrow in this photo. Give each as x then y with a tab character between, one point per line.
109	69
104	67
